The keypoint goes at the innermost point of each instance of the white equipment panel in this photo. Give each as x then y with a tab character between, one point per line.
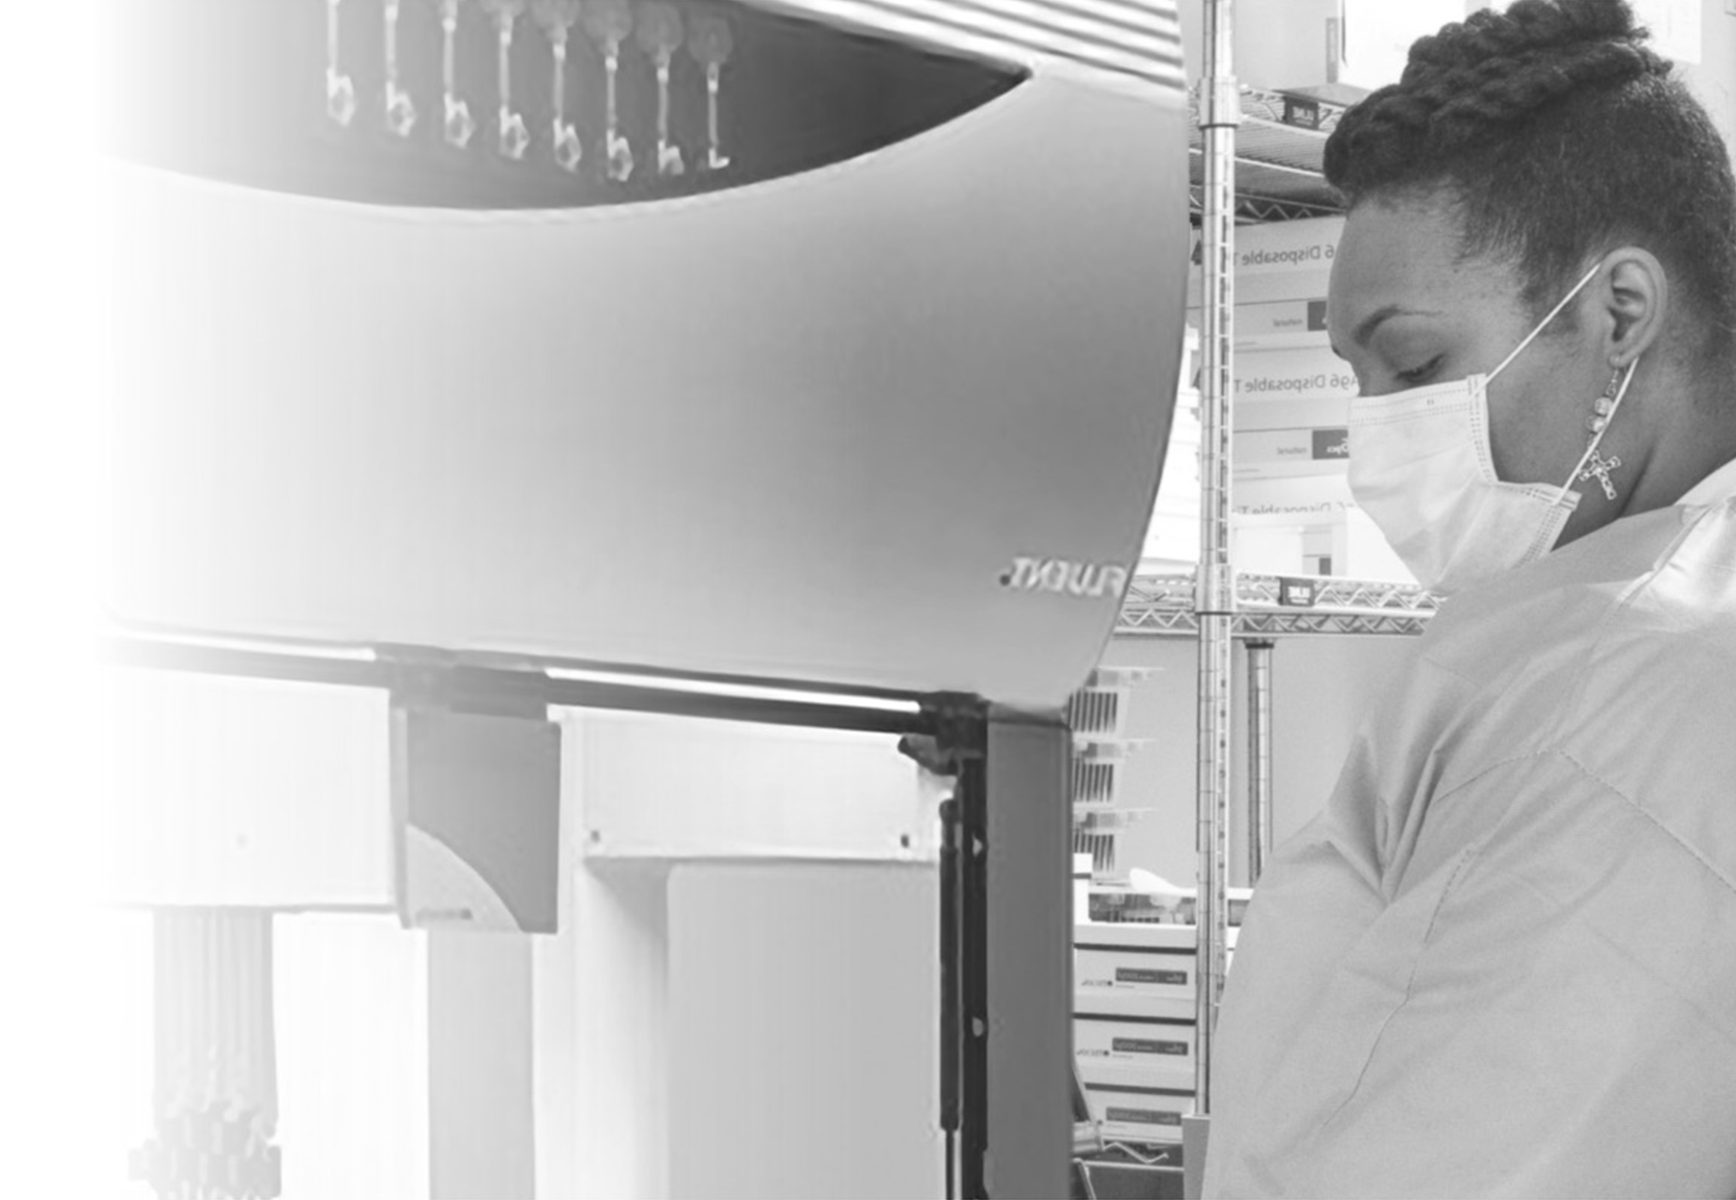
893	423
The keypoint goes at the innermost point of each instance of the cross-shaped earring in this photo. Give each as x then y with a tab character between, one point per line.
1598	467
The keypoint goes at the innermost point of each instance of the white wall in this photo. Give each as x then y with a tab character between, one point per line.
1321	689
1714	79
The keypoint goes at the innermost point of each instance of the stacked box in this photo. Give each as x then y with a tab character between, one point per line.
1129	1108
1280	260
1290	402
1298	324
1284	439
1135	1026
1105	1031
1300	374
1144	961
1291	414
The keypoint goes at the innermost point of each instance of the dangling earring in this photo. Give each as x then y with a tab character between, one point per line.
1598	467
1605	405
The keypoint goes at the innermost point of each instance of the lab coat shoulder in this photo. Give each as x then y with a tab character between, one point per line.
1517	905
1560	985
1618	654
1564	981
1653	717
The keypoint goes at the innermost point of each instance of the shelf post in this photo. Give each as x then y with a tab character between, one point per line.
1259	756
1220	113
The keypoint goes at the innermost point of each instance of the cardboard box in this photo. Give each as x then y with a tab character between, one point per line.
1272	376
1278	260
1313	413
1285	453
1122	1030
1262	288
1135	960
1131	1105
1172	1072
1287	438
1101	1002
1308	500
1278	325
1287	247
1281	324
1168	976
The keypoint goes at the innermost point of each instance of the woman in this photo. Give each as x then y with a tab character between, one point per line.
1503	960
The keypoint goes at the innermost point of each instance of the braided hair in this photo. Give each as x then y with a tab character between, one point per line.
1558	135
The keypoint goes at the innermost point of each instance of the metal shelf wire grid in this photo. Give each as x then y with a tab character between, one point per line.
1163	606
1278	165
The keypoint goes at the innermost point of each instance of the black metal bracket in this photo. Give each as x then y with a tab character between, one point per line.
957	727
958	747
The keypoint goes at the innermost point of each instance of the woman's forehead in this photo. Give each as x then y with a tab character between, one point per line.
1406	254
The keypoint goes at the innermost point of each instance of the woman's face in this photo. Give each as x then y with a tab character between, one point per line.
1404	312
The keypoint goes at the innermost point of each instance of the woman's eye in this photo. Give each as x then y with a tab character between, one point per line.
1418	374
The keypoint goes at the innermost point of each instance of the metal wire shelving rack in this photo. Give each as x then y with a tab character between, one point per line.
1250	161
1277	162
1267	606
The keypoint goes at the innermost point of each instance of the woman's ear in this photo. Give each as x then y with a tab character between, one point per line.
1634	300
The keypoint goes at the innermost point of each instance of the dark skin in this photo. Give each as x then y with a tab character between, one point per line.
1405	309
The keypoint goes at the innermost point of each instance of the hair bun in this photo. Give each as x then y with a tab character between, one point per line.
1490	71
1591	40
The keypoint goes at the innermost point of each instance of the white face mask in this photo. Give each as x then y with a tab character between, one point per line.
1421	468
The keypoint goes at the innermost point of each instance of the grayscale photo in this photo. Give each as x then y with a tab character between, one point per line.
878	600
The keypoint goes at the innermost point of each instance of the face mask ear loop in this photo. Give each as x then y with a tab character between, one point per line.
1597	439
1544	324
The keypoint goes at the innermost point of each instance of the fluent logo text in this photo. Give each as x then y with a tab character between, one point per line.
1088	581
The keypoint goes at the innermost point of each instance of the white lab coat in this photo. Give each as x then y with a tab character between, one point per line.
1502	962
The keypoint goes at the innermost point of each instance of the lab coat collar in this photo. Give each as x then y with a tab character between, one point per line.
1719	485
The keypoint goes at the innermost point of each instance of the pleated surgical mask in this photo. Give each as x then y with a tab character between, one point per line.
1422	469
